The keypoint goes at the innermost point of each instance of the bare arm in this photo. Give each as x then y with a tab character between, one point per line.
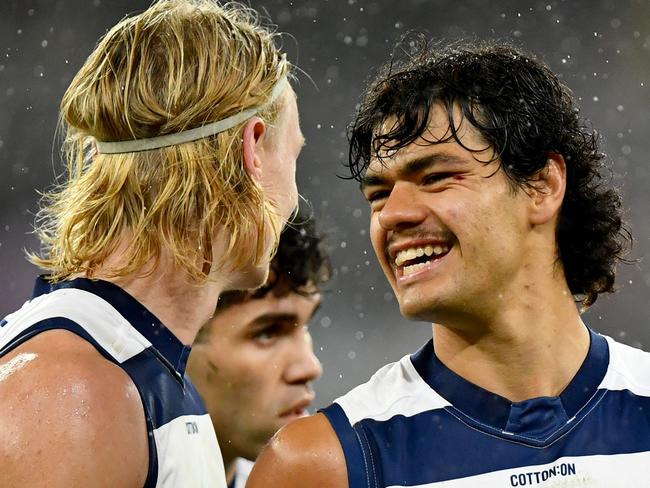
69	418
306	452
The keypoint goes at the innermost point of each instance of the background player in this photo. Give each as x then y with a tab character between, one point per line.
253	362
490	219
182	136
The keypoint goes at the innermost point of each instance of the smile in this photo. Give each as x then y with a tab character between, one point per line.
412	260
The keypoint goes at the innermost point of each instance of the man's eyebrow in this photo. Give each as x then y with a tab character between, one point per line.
372	180
275	317
412	167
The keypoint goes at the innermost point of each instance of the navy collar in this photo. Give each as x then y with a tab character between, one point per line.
502	414
162	339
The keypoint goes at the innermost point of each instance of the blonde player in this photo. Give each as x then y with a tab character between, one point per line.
181	137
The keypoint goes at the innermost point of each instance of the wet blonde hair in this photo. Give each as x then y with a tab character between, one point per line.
178	65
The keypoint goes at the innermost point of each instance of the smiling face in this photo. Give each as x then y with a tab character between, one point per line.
449	231
254	367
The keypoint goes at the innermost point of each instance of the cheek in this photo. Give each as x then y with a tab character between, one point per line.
287	165
377	237
468	217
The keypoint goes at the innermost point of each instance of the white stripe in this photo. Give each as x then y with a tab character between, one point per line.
94	314
188	454
243	468
629	369
396	389
613	471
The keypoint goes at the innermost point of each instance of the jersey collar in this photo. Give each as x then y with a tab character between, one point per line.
536	417
162	339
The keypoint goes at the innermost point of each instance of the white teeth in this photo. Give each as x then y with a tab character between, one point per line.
418	252
409	270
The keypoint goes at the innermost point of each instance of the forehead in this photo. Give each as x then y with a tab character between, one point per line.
437	139
289	106
252	310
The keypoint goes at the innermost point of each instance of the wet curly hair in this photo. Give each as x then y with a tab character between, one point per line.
524	113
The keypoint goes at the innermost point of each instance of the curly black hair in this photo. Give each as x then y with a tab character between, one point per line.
524	113
299	266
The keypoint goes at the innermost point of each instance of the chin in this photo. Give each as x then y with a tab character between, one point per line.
417	309
252	277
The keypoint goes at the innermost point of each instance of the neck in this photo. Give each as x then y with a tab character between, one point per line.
167	292
181	306
531	347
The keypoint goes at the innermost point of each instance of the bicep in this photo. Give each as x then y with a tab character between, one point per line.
304	453
71	424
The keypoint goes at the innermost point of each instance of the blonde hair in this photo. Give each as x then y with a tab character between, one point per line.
178	65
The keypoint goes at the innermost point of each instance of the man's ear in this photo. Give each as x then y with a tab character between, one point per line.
252	137
548	188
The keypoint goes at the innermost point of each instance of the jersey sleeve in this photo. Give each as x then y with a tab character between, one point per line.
356	449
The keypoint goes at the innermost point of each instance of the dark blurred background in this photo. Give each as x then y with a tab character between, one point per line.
600	48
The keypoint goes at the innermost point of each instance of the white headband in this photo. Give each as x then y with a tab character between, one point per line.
190	135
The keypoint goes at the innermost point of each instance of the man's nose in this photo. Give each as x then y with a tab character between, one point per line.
305	366
402	208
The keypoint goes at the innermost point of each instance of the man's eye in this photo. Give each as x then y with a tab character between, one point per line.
435	178
267	334
377	195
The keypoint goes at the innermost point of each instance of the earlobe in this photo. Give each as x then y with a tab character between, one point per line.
549	189
252	137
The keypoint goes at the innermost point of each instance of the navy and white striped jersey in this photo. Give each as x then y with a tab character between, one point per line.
243	468
418	424
183	448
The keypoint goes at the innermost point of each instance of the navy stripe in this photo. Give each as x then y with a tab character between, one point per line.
54	323
165	398
436	446
354	460
371	456
589	376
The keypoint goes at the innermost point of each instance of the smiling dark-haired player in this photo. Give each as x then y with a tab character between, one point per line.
490	219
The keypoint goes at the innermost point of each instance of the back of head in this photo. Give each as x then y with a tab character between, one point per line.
524	113
178	65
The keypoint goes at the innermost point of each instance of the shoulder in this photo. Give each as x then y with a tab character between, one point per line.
396	388
629	368
71	412
306	452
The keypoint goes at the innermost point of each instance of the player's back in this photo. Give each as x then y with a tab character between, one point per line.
416	423
182	446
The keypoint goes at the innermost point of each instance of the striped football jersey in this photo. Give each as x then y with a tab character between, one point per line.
418	424
183	448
